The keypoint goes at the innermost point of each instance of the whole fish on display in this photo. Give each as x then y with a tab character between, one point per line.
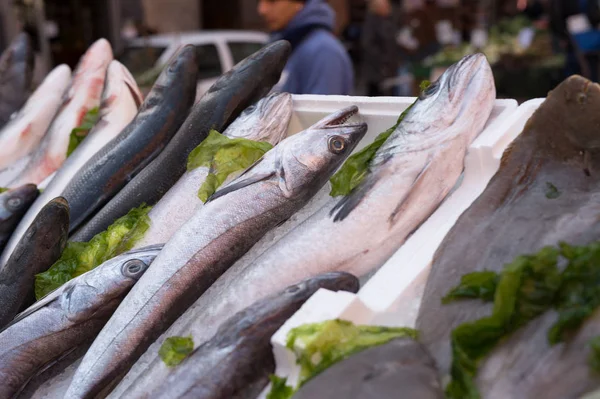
246	83
546	191
13	205
66	318
164	109
39	248
120	101
82	96
238	360
231	221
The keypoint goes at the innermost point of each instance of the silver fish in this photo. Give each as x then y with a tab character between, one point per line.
265	121
238	360
67	318
411	174
120	101
233	219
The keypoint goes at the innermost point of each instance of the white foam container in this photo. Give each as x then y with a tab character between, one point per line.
392	296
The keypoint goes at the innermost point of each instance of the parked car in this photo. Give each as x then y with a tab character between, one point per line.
218	52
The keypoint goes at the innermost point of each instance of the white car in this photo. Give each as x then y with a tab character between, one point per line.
218	52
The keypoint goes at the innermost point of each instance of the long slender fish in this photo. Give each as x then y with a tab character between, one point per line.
83	95
245	84
13	205
16	73
265	121
39	248
164	110
238	360
120	102
25	130
67	318
515	216
233	219
411	174
400	368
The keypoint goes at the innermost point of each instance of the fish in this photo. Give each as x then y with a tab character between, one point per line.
25	130
515	216
83	95
13	205
265	121
380	372
240	355
16	74
120	101
163	111
412	172
10	173
67	318
39	248
246	83
231	221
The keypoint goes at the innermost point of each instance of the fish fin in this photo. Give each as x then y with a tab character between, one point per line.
417	188
238	184
347	204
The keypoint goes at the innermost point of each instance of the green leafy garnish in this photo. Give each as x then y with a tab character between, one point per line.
551	191
3	189
175	349
223	156
318	346
526	288
356	167
594	359
279	388
80	132
81	257
480	285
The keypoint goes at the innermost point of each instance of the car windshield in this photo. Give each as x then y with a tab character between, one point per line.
241	50
140	59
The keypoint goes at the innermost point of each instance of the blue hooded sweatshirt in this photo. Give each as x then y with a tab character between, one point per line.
319	64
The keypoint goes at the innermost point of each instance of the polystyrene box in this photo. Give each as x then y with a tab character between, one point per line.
392	295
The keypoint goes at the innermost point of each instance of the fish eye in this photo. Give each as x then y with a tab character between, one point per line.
293	289
14	203
133	267
431	89
336	144
251	108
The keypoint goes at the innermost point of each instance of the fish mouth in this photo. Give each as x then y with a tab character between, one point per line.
340	119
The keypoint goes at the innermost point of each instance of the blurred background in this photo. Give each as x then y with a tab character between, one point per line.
393	45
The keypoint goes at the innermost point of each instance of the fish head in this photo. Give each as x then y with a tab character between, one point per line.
120	86
107	284
181	68
97	57
315	153
17	200
267	120
333	281
463	94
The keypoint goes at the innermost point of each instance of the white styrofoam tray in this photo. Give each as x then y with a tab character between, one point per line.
392	295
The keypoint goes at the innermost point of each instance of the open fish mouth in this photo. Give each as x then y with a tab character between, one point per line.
343	118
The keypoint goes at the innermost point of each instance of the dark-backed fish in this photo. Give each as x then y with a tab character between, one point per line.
16	73
13	205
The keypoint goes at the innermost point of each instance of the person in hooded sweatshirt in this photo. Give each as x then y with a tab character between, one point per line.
319	63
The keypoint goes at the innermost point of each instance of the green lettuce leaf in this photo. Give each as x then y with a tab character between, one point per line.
224	156
594	359
317	346
3	189
480	285
526	288
81	257
80	132
279	388
175	349
356	167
